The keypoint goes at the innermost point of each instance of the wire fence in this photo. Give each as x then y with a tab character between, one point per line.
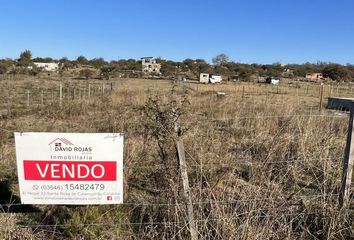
262	213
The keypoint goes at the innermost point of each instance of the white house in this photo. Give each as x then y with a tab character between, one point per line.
149	66
50	67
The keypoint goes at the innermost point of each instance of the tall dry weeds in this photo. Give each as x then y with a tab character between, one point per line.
260	165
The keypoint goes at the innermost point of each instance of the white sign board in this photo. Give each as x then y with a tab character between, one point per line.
70	168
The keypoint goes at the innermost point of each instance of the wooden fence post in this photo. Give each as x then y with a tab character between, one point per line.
186	189
321	96
185	180
42	97
60	95
347	162
28	98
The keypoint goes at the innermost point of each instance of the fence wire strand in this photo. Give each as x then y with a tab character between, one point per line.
262	214
222	202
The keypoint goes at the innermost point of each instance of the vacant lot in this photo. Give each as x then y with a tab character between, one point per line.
262	161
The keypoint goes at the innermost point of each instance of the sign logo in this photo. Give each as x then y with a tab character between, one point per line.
58	143
64	145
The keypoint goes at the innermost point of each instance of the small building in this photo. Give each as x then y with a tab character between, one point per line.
149	66
49	67
209	78
314	76
204	78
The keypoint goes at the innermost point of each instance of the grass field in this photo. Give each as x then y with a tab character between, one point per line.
263	162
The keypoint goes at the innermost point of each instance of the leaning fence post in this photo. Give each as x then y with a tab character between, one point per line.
347	162
186	189
185	180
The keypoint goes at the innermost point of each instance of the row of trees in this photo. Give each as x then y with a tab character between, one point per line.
189	67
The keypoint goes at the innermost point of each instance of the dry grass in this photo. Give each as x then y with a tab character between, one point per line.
259	166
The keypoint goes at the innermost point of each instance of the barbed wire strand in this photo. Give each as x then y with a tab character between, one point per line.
247	117
276	116
262	215
241	161
201	202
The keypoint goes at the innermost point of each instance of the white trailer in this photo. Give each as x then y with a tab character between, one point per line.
215	78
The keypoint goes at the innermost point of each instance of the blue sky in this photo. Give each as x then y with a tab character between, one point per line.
249	31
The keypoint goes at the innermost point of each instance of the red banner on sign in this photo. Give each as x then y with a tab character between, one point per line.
70	171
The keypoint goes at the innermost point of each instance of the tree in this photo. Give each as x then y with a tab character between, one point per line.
168	68
220	59
65	63
106	71
98	62
25	58
82	60
87	73
3	68
337	72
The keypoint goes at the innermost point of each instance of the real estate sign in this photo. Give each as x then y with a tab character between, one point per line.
70	168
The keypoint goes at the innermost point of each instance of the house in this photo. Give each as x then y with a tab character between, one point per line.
314	76
209	78
149	66
49	67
